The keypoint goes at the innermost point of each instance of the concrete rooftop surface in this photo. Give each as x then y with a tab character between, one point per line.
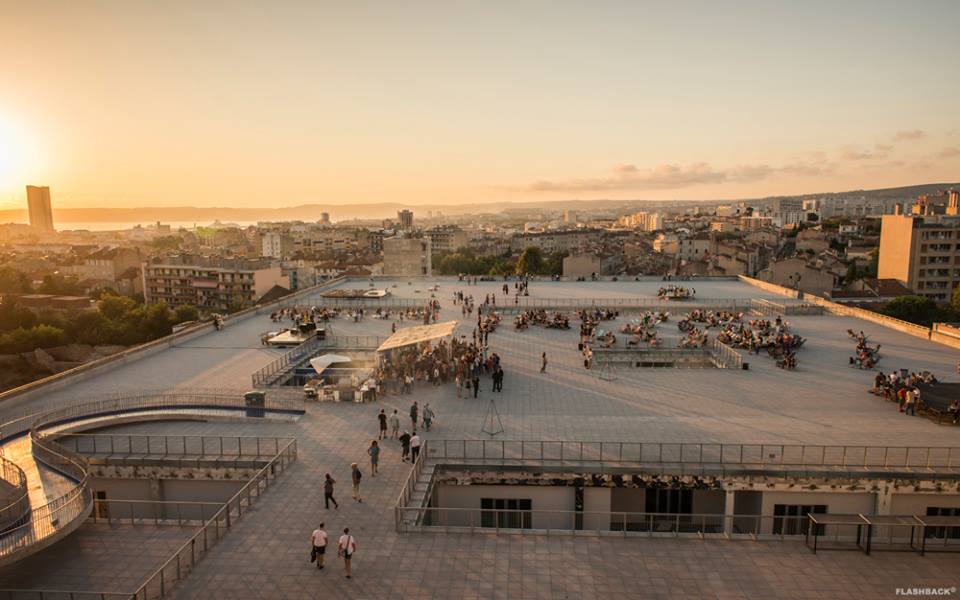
265	555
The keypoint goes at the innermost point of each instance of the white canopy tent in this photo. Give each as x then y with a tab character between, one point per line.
323	361
416	335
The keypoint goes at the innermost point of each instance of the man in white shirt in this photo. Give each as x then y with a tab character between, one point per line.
346	546
319	541
414	447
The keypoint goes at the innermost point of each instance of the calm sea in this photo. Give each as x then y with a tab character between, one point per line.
116	225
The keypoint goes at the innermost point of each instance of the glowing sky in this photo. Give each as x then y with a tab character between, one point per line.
133	103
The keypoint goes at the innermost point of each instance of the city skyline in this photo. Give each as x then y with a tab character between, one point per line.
172	105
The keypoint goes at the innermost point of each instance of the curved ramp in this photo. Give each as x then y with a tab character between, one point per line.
56	478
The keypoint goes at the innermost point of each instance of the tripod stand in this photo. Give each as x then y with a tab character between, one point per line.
492	425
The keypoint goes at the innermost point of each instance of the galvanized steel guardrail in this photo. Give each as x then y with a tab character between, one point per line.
16	504
173	445
269	373
159	583
63	511
747	455
185	558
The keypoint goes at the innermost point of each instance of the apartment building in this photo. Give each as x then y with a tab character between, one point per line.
787	211
38	203
922	253
446	238
211	284
557	241
276	244
407	257
644	221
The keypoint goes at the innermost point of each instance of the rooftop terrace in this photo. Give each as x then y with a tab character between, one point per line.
823	402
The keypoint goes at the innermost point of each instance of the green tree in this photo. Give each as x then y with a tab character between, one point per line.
13	281
13	315
955	300
59	285
184	313
167	242
915	309
157	320
89	327
531	261
554	264
115	307
27	340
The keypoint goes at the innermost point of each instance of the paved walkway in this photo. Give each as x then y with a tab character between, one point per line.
97	558
823	402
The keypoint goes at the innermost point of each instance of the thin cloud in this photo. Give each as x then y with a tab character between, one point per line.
630	177
949	152
884	148
813	168
671	176
854	153
909	134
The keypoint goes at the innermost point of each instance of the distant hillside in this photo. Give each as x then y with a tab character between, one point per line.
311	212
909	191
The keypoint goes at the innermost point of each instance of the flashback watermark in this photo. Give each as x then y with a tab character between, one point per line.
927	591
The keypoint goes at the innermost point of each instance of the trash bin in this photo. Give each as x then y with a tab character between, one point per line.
255	403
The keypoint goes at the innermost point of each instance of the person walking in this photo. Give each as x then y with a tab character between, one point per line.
428	416
414	413
543	362
318	539
382	417
405	446
497	379
356	476
395	424
414	447
346	546
374	452
458	380
328	493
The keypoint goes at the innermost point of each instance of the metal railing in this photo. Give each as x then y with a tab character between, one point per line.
172	445
265	374
158	584
726	357
60	512
164	398
621	304
620	523
152	512
387	302
15	508
655	357
647	453
410	484
773	308
716	354
185	558
269	373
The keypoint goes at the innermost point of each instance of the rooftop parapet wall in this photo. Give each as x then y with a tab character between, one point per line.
108	363
935	334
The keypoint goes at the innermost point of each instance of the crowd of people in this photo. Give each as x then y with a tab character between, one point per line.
903	388
643	330
676	292
550	320
864	357
762	334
